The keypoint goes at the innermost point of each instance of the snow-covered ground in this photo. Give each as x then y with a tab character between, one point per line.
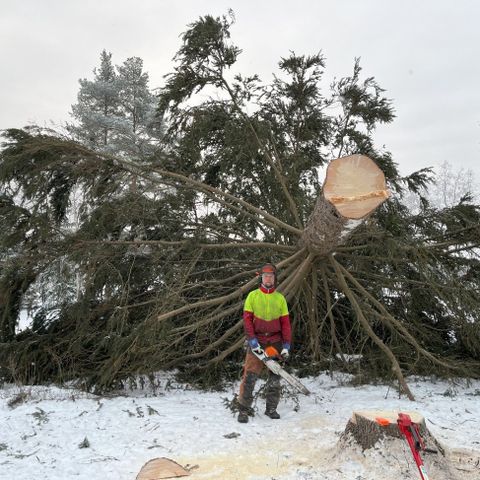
59	434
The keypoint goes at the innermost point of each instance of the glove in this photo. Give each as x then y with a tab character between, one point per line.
255	346
285	353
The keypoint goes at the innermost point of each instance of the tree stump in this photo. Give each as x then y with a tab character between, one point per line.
384	448
367	431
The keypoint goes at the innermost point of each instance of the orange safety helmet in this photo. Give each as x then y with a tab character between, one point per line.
268	268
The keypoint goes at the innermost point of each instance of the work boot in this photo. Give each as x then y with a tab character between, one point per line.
242	416
273	414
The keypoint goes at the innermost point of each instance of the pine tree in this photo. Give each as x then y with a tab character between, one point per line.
98	106
141	127
116	111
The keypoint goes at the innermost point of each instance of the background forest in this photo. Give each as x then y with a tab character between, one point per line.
131	235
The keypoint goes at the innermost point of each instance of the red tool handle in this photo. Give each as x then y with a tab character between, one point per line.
415	441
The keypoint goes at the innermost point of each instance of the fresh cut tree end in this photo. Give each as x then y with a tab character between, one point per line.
355	186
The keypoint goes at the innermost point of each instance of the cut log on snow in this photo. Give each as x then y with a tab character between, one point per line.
161	468
354	187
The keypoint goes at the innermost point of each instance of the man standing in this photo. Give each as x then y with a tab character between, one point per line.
267	323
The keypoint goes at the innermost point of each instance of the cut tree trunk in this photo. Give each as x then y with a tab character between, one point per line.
354	187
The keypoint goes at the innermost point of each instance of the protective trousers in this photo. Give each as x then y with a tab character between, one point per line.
251	370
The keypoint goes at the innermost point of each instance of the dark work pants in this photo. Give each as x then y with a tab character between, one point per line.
252	368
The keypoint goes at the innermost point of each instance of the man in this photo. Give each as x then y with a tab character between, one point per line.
267	323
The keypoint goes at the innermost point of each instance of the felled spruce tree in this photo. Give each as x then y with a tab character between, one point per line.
237	182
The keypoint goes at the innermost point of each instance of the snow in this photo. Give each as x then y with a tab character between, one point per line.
25	321
40	437
349	226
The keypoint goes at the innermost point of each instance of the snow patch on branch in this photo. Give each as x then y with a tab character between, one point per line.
349	227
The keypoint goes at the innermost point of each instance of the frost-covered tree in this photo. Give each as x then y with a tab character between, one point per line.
116	111
452	185
98	106
449	186
139	128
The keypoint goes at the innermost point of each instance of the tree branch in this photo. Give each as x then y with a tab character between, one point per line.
206	246
225	298
278	173
377	340
391	321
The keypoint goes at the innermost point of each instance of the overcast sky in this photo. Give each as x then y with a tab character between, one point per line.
425	53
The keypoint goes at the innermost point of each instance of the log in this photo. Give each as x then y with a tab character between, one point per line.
161	468
353	189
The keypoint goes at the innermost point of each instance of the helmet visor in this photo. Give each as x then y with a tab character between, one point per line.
268	278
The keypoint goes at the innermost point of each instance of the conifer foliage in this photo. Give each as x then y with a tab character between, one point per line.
116	111
172	223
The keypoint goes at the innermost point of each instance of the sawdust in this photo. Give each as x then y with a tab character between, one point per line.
315	452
